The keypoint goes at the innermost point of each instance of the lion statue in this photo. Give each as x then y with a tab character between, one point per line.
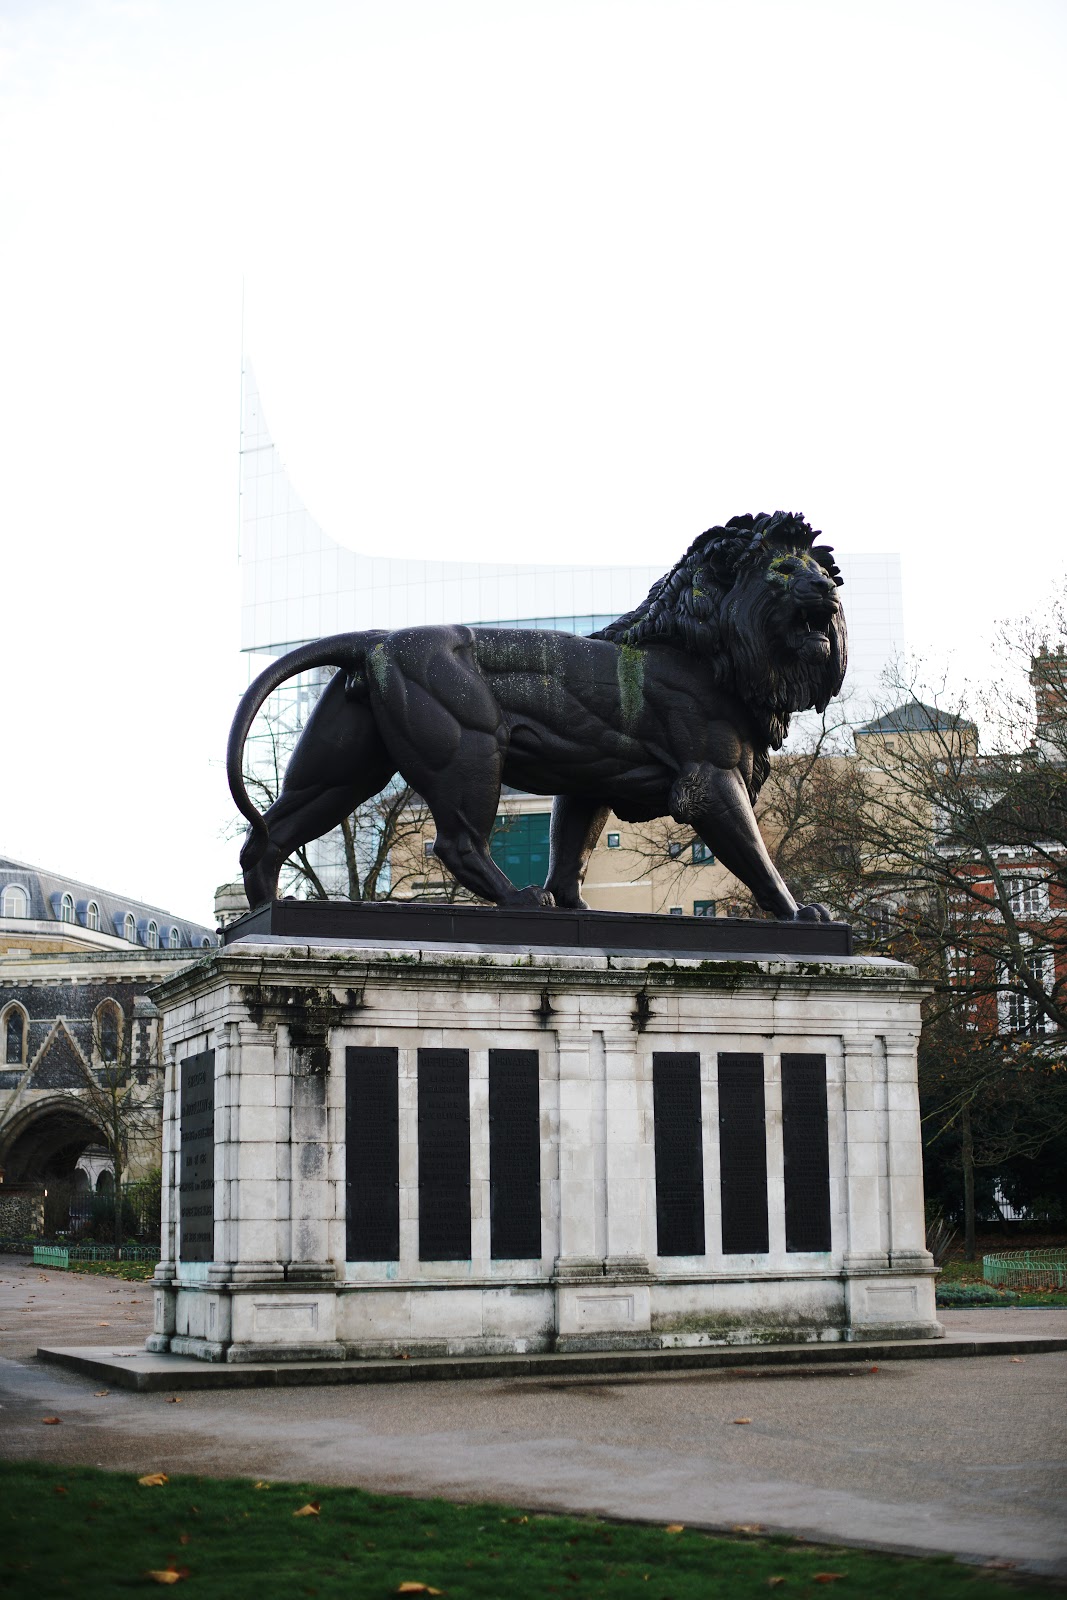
670	710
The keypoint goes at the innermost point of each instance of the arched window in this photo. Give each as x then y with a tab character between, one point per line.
15	1037
151	936
129	927
66	908
207	944
92	916
16	902
107	1031
175	940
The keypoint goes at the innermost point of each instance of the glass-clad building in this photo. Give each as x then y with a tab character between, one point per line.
298	583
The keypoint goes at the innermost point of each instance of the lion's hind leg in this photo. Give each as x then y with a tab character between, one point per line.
340	760
448	739
464	818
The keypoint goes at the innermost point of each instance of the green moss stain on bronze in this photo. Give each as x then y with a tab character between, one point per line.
630	666
378	665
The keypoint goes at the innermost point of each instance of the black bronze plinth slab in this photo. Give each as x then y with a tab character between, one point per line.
390	920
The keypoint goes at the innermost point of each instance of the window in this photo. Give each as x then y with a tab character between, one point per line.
677	911
107	1032
129	927
881	923
151	936
66	908
613	841
174	940
16	901
961	976
520	848
674	849
1027	896
92	916
427	847
15	1037
701	851
1018	1011
704	908
206	943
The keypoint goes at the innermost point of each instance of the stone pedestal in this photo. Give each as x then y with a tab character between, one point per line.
369	1125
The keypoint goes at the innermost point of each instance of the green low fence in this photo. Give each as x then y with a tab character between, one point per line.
61	1255
1027	1269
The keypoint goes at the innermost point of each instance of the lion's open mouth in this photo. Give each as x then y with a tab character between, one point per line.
810	633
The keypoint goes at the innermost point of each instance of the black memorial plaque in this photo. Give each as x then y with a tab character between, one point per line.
514	1155
444	1156
805	1139
372	1155
196	1181
742	1155
679	1154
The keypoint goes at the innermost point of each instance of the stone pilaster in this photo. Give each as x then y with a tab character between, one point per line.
627	1160
580	1160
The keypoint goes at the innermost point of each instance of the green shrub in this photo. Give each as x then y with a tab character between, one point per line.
973	1294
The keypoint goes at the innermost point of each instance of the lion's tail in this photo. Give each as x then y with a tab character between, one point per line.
346	651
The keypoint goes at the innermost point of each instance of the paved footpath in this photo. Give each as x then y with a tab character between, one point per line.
966	1456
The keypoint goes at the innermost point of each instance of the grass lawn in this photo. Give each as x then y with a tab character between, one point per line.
74	1530
130	1271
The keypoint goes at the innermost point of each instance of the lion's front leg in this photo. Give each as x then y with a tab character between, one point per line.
715	801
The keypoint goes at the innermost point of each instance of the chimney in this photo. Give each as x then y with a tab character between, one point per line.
1048	679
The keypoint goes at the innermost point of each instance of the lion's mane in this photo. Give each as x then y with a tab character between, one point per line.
714	603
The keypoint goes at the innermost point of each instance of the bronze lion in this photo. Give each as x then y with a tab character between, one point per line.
670	710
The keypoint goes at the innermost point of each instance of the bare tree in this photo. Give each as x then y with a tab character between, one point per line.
953	857
122	1097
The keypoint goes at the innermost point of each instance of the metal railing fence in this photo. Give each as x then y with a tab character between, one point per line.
1027	1269
61	1255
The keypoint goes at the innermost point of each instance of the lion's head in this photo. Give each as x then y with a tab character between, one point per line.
758	600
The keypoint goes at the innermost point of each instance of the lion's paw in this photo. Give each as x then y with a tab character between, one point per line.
812	913
530	896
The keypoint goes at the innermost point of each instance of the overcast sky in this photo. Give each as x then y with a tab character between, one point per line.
569	279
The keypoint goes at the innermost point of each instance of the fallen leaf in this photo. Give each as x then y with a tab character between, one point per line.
153	1480
827	1577
175	1400
872	1369
310	1510
59	1489
261	1485
168	1574
183	1538
748	1527
102	1393
48	1421
408	1587
740	1421
1019	1360
675	1527
103	1324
